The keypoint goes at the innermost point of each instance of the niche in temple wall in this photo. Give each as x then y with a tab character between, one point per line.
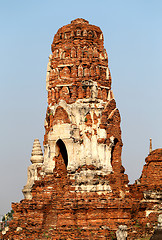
65	72
77	126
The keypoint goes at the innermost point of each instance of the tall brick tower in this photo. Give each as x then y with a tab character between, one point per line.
78	189
82	119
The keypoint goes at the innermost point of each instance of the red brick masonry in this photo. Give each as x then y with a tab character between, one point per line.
56	210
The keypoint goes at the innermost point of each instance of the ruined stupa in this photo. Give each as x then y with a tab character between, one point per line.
78	189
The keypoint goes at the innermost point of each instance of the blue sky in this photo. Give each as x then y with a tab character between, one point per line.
132	37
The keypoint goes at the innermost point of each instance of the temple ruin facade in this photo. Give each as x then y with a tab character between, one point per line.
78	189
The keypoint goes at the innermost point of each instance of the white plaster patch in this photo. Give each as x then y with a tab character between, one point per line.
60	131
80	140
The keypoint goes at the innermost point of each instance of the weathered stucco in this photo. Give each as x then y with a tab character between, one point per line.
79	190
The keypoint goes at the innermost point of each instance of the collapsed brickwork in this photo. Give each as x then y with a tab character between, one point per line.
79	190
151	176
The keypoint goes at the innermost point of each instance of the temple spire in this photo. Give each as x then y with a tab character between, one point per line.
150	150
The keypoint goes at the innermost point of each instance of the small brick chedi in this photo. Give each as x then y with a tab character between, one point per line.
78	189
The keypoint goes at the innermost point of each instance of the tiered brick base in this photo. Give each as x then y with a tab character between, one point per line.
58	212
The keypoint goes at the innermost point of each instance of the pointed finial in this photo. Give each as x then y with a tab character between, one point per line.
37	154
150	150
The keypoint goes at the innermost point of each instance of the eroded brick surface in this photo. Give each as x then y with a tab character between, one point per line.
80	190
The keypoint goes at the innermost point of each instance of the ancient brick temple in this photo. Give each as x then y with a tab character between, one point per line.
78	189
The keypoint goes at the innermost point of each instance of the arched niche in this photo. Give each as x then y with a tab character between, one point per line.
61	116
61	148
